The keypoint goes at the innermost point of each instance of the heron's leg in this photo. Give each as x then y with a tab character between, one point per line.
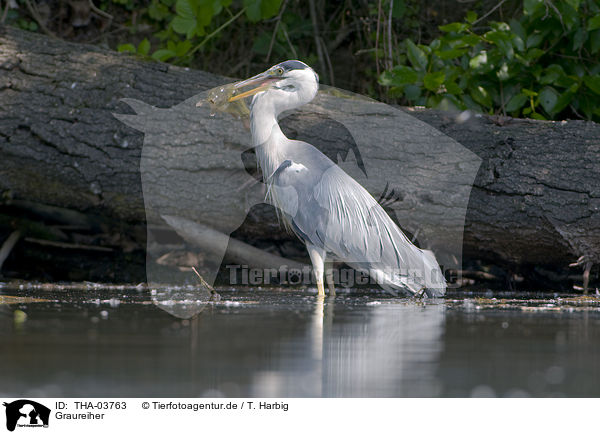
329	278
317	257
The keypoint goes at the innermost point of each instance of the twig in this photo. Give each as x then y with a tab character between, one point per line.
68	245
389	47
5	13
214	295
329	66
39	20
8	246
287	38
100	11
275	30
313	17
377	39
491	11
209	37
560	18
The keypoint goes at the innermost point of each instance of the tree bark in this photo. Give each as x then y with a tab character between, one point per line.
66	159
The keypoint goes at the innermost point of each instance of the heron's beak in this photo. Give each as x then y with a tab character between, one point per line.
261	82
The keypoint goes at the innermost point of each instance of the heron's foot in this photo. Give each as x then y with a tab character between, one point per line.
330	285
320	289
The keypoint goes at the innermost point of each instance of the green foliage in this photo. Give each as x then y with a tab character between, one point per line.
185	26
544	65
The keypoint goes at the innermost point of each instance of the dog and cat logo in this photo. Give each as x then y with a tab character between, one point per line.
26	413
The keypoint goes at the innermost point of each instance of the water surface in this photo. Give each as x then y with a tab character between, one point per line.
100	342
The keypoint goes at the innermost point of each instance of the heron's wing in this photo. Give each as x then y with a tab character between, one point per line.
361	233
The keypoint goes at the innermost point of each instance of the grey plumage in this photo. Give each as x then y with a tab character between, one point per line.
331	212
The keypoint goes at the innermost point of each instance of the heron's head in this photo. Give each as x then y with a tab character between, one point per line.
286	85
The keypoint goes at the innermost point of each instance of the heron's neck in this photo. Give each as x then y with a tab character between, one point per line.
267	137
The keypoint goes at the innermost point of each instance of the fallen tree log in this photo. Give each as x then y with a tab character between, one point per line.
535	199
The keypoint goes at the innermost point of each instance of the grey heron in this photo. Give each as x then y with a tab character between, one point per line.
325	207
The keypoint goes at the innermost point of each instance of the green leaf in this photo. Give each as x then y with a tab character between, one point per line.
481	96
144	47
593	23
163	55
269	8
479	60
548	99
516	102
565	99
253	10
538	116
412	92
534	40
450	54
417	57
568	14
434	80
518	43
399	8
595	41
502	40
552	74
534	53
517	28
579	38
184	26
453	88
402	75
158	11
467	40
185	9
471	17
183	47
502	72
126	48
454	27
530	7
593	82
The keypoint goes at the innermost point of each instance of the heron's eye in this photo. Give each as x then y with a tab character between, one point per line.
279	71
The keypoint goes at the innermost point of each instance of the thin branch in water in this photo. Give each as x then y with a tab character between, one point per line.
214	295
275	30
